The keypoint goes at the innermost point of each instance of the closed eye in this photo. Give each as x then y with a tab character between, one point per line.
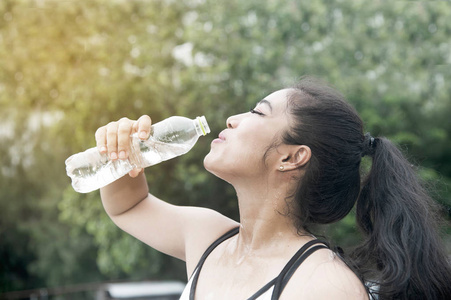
253	111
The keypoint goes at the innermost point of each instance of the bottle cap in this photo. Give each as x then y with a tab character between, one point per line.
203	125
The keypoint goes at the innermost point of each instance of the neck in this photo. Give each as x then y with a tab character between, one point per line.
263	216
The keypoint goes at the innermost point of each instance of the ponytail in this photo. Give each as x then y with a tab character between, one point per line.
402	252
401	255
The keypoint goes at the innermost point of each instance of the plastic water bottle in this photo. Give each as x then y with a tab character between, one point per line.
91	170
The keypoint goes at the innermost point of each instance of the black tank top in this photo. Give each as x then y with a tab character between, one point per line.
280	281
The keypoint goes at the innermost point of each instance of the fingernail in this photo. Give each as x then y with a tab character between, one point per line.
143	134
122	155
133	173
113	155
103	149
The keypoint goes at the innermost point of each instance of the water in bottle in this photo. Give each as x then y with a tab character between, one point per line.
91	170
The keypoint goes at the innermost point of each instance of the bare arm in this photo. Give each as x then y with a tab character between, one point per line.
124	194
182	232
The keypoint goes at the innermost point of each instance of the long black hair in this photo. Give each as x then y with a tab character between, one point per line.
402	253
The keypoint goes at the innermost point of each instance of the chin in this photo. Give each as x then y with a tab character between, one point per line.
215	166
209	163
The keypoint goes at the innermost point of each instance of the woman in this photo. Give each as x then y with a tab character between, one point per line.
294	161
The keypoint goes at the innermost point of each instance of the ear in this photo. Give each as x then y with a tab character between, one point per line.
295	158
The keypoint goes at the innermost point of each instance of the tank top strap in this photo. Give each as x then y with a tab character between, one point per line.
207	252
263	290
294	263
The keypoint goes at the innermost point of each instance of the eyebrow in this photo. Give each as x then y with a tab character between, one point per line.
264	101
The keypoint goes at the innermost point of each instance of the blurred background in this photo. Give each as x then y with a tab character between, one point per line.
69	67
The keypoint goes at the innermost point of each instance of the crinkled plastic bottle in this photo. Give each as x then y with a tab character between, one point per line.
91	170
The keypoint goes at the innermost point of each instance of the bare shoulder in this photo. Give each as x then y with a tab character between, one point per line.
207	228
324	276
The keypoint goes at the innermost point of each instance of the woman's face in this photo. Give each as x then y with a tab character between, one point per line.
239	151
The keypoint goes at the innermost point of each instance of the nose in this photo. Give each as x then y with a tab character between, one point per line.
232	121
229	122
235	120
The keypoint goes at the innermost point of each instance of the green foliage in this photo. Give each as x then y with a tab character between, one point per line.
68	67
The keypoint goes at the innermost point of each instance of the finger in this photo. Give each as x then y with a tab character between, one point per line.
100	136
123	137
135	172
111	140
144	124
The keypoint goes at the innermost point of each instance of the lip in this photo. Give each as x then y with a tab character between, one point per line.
221	138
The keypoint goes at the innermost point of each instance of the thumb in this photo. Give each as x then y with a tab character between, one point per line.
135	172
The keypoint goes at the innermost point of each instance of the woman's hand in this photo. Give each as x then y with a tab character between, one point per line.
114	138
